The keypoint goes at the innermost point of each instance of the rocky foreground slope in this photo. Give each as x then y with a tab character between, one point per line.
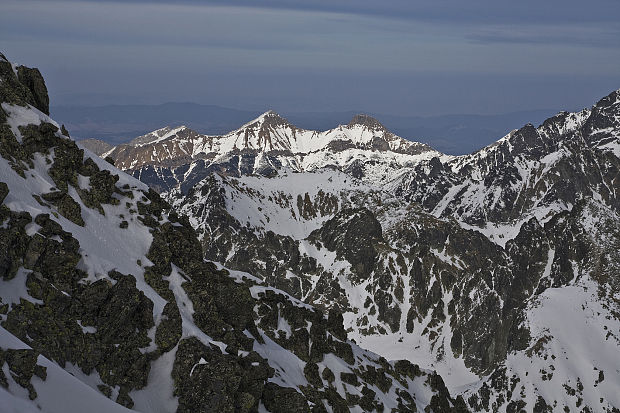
107	303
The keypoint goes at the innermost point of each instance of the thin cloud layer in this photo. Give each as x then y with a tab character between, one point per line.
440	11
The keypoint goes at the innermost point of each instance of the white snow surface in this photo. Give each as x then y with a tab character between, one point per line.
273	204
570	323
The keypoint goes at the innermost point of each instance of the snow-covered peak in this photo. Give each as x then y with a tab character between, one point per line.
160	135
268	132
269	119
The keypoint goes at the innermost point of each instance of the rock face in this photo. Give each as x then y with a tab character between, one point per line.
23	85
32	79
468	265
107	304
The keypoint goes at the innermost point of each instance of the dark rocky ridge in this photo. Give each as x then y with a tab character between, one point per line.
25	87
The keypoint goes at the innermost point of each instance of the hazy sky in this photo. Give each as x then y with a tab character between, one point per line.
400	57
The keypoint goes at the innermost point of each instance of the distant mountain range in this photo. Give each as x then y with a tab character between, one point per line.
451	134
169	157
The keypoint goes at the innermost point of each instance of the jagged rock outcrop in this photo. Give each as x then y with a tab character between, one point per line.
23	85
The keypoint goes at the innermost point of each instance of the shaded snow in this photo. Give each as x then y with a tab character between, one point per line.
59	393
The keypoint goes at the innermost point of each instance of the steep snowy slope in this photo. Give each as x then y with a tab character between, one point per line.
105	296
266	146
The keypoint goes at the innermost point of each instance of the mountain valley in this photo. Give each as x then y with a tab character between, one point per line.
277	269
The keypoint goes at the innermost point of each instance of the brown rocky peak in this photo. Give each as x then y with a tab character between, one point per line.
368	122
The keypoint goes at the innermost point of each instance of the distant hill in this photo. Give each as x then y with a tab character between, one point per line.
451	134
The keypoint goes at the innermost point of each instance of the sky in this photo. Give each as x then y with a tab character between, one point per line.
401	57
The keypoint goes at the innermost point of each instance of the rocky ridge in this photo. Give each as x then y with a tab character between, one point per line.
531	172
